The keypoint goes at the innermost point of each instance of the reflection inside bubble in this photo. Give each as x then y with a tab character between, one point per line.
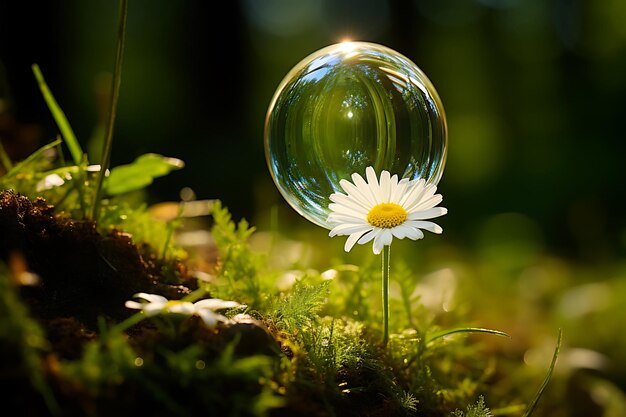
346	107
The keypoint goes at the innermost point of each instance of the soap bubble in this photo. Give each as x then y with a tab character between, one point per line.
346	107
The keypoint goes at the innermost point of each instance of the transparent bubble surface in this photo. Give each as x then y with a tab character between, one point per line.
346	107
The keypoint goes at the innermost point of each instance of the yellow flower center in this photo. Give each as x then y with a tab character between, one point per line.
172	303
387	215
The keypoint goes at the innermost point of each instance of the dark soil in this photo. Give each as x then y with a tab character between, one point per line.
84	277
83	274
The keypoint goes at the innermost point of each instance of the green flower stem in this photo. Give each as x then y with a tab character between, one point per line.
386	256
129	322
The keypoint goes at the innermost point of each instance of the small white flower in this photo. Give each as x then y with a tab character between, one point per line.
205	309
382	210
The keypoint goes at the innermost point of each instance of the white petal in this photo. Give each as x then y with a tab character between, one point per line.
153	309
348	229
413	193
348	201
357	178
369	236
340	229
426	203
414	233
355	192
383	239
134	305
430	226
385	186
400	231
372	181
338	218
337	195
370	173
431	189
338	208
153	298
403	231
215	304
365	189
352	204
394	181
221	318
337	228
347	217
351	241
208	317
393	188
386	237
398	192
428	214
377	248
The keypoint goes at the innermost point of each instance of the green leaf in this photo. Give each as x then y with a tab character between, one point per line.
59	118
140	173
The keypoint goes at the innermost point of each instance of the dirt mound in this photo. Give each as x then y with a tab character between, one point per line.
82	273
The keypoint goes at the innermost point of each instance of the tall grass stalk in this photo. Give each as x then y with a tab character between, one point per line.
115	92
533	405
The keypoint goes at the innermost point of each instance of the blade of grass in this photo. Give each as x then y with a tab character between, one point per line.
81	182
444	333
17	168
60	153
115	93
59	117
533	405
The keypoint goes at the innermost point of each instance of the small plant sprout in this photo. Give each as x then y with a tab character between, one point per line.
206	309
380	210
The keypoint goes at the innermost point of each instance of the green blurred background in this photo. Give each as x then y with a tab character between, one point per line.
534	91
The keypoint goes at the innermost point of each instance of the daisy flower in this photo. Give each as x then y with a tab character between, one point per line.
380	210
205	309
